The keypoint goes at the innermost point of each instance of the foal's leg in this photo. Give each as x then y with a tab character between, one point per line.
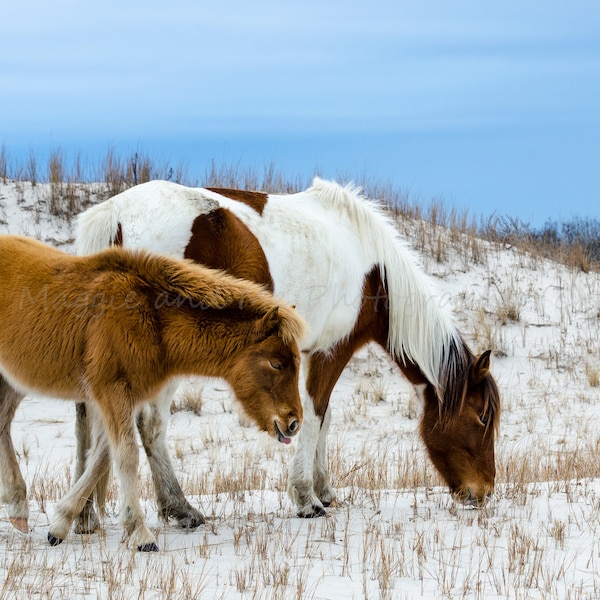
120	429
152	425
13	490
98	462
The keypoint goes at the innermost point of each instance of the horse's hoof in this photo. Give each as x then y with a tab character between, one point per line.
20	524
86	525
83	530
191	523
316	511
53	540
151	547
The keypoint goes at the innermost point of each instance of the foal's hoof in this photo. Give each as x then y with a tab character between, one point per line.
53	540
20	524
314	511
151	547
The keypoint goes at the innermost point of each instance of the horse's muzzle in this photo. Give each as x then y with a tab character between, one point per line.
467	498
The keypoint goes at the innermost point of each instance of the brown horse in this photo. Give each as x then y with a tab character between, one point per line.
339	259
113	329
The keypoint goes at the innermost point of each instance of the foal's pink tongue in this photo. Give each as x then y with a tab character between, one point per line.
20	524
286	440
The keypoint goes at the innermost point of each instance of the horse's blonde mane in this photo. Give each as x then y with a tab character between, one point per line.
202	286
420	329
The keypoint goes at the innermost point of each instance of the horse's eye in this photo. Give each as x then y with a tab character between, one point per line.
276	365
484	418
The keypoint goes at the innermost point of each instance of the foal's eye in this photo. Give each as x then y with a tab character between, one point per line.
484	418
275	364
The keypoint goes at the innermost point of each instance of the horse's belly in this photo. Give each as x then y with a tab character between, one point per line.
38	358
37	381
325	290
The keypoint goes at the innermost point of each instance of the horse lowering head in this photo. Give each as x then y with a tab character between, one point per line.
265	375
460	439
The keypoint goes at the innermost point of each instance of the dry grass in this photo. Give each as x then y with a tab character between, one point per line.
442	231
393	532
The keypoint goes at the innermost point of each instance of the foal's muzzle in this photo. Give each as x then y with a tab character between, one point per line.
285	436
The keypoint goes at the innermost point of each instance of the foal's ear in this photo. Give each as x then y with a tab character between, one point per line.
481	367
269	324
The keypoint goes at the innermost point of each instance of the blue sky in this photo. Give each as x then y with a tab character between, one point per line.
492	109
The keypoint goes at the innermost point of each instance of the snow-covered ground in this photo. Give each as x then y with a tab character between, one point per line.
394	531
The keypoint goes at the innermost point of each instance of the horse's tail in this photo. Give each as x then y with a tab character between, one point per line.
96	228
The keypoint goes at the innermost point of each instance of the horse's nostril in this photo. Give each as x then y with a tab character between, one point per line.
294	426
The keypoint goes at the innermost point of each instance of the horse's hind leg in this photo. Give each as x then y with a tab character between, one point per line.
152	425
13	490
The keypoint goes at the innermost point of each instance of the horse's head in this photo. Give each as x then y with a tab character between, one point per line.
460	439
265	376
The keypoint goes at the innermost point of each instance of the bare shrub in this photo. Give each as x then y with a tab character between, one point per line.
3	164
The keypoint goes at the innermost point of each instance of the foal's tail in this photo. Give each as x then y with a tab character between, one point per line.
97	228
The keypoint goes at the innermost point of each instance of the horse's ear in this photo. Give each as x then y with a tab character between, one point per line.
481	367
269	324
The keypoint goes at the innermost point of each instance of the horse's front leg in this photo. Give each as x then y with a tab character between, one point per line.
13	490
152	425
301	476
308	481
323	488
308	464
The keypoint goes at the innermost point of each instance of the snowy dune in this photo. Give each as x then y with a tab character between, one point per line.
394	531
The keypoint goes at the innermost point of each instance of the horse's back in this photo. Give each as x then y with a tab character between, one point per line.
315	257
156	215
15	247
25	264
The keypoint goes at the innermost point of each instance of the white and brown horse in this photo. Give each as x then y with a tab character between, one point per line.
339	259
113	329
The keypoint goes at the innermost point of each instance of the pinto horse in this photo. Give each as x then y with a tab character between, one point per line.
339	259
112	329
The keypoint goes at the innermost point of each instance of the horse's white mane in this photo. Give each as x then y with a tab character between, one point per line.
420	330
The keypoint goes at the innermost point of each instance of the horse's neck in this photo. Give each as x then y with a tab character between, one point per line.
412	372
197	344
